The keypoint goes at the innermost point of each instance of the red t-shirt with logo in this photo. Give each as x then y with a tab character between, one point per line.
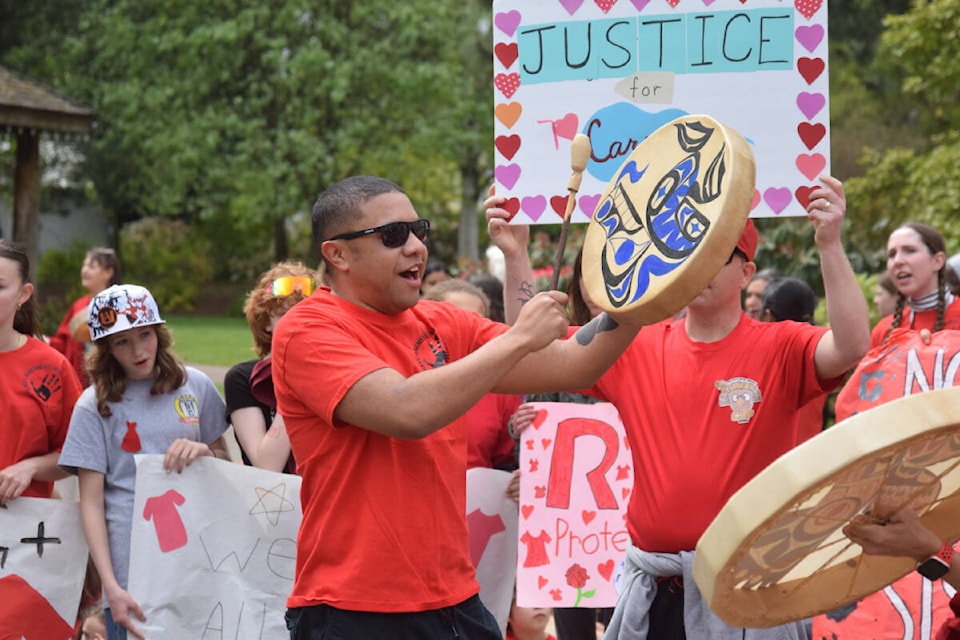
384	520
702	419
38	389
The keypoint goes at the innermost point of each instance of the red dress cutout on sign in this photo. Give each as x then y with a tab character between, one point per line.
171	534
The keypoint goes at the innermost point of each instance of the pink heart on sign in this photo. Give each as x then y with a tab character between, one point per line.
756	199
588	204
809	37
507	83
606	570
810	103
777	198
707	3
533	206
811	165
507	174
640	4
571	5
566	127
507	22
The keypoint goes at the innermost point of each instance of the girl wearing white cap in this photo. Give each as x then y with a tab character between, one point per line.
142	400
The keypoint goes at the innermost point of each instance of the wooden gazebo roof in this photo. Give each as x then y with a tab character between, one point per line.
27	109
26	104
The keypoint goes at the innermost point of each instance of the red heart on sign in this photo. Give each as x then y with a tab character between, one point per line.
811	134
588	516
808	7
506	53
559	204
606	570
507	83
512	206
526	510
803	195
605	5
538	418
541	582
546	443
507	145
810	68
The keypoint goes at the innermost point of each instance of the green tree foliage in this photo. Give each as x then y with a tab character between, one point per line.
920	181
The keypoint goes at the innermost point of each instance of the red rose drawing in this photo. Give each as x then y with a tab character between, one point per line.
577	578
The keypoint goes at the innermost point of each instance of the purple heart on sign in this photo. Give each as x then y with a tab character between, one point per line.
571	5
507	174
533	206
507	22
640	5
777	199
707	3
810	103
588	204
810	36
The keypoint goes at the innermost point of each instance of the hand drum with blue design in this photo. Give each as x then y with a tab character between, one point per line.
668	220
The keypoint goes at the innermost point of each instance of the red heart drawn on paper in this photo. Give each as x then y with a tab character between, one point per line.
803	195
546	443
808	7
605	5
559	205
605	569
588	516
507	83
506	53
541	582
811	134
526	510
810	68
508	113
811	165
539	492
756	199
673	3
538	418
507	145
625	492
566	127
511	206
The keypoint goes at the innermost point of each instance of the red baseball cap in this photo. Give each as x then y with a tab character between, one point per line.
748	240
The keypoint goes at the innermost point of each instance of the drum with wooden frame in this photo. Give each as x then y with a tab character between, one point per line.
669	220
776	553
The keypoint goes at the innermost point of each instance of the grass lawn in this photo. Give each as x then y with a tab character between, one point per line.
211	340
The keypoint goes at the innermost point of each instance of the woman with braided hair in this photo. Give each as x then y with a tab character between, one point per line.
916	259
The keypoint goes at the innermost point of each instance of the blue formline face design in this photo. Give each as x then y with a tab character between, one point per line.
671	220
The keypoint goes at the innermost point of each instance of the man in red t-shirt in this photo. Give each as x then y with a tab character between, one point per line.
708	401
372	384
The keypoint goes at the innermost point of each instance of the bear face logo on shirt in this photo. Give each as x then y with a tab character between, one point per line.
740	394
43	381
431	350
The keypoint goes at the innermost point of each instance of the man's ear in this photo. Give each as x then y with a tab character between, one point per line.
335	255
749	269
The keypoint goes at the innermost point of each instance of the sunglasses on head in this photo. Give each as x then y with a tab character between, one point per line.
393	234
283	287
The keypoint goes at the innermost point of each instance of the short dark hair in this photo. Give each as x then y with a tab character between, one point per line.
789	299
340	204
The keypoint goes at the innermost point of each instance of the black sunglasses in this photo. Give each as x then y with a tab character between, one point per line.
393	234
